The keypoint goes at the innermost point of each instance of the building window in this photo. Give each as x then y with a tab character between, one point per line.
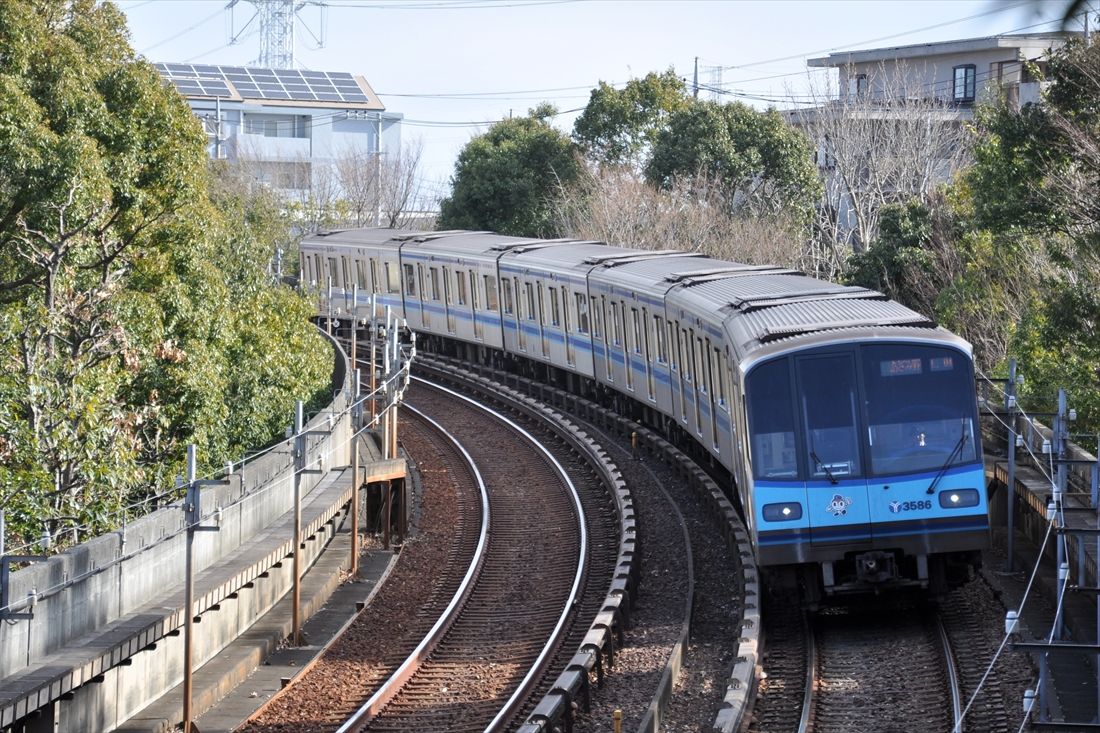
861	85
965	80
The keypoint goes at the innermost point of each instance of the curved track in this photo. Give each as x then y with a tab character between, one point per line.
509	621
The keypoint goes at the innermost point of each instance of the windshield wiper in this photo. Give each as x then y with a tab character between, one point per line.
947	464
832	478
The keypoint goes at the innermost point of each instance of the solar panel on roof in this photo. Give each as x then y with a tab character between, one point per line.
254	83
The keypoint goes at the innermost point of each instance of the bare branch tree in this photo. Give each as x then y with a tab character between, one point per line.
400	187
619	207
357	173
887	142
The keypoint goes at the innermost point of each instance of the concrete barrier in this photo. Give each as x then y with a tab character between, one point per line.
104	637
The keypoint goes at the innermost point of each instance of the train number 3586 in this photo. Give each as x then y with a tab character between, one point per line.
910	506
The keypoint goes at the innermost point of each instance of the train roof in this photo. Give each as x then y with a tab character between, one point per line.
761	307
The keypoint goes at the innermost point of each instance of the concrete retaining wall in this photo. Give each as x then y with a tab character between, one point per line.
93	585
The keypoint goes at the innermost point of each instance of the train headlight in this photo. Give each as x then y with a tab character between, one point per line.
786	512
959	498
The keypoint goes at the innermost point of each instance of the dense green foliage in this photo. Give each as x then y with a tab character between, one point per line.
619	126
505	178
136	314
763	162
1036	178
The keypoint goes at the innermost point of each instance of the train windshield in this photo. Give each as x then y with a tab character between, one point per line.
771	416
920	408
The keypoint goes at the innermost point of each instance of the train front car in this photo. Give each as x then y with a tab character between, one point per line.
866	461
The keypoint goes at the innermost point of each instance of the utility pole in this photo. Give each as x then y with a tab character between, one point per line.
378	170
695	80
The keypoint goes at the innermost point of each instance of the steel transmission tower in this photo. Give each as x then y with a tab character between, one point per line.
277	20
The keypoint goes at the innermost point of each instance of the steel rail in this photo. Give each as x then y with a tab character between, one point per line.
393	685
952	676
804	723
538	668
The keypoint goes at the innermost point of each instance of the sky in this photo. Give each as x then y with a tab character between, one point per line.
453	67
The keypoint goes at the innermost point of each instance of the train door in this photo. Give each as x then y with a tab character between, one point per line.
542	324
836	489
567	326
479	333
649	354
447	309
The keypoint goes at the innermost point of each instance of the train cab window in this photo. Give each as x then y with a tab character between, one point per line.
506	286
460	287
920	408
827	399
555	314
361	275
393	284
771	421
582	312
433	276
490	292
410	279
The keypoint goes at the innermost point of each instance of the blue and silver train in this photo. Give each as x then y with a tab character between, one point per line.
846	423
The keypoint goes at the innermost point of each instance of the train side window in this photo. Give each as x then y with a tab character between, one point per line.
433	276
506	286
597	319
345	279
555	317
659	337
393	284
361	275
460	287
541	309
582	312
635	325
771	421
410	279
333	274
374	276
473	291
447	285
565	308
490	292
719	368
616	335
305	269
530	301
685	347
700	369
318	270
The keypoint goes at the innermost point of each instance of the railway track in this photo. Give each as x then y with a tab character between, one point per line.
479	643
846	670
508	624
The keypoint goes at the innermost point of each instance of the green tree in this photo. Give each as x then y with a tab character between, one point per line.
619	126
506	178
126	297
764	163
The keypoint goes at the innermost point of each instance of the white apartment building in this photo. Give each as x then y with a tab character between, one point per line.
290	125
904	108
